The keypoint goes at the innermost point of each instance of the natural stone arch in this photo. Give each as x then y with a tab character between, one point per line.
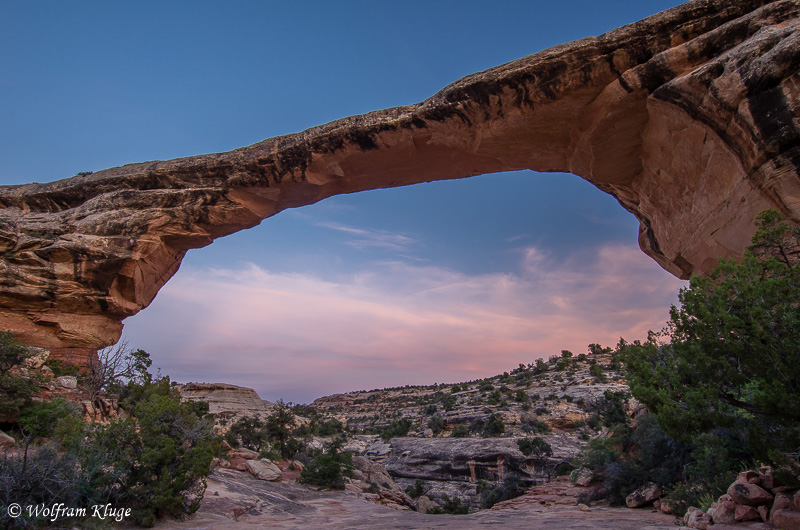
689	118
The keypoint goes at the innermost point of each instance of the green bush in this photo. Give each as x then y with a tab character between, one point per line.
396	428
330	427
511	488
460	431
728	356
328	470
16	390
534	446
247	432
436	424
494	426
417	490
450	505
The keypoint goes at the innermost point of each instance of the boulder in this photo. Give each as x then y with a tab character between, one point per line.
242	452
643	495
6	441
37	359
786	520
426	505
783	501
723	512
237	463
697	518
264	470
67	381
746	513
220	462
388	490
748	477
296	465
582	476
749	494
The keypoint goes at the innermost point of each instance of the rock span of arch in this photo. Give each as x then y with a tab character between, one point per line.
689	118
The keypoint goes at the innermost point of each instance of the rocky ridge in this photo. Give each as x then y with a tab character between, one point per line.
688	118
464	436
227	402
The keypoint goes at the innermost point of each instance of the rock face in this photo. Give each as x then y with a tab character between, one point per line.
227	402
457	466
689	118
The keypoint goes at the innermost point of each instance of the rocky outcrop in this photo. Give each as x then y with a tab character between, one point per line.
456	467
227	402
689	118
473	459
755	496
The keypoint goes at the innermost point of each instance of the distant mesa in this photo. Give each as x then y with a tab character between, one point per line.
689	118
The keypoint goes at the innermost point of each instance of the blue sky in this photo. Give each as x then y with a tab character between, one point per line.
436	282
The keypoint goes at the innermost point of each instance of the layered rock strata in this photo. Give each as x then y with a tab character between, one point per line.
689	118
227	402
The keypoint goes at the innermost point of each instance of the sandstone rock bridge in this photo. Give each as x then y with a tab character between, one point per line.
689	118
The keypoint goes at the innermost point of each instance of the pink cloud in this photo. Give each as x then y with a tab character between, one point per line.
300	337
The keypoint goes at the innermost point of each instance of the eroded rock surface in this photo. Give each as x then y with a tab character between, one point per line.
227	402
689	118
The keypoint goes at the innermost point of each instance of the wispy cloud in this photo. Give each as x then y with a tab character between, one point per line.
370	238
299	337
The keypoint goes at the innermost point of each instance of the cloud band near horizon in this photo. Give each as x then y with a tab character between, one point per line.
302	336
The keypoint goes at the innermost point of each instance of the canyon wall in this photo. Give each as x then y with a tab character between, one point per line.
689	118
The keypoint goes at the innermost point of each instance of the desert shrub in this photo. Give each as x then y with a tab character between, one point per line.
40	476
328	470
597	372
460	431
416	490
330	427
511	488
728	356
16	390
450	505
59	368
436	424
534	446
247	432
398	427
494	426
153	464
534	426
47	419
114	367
